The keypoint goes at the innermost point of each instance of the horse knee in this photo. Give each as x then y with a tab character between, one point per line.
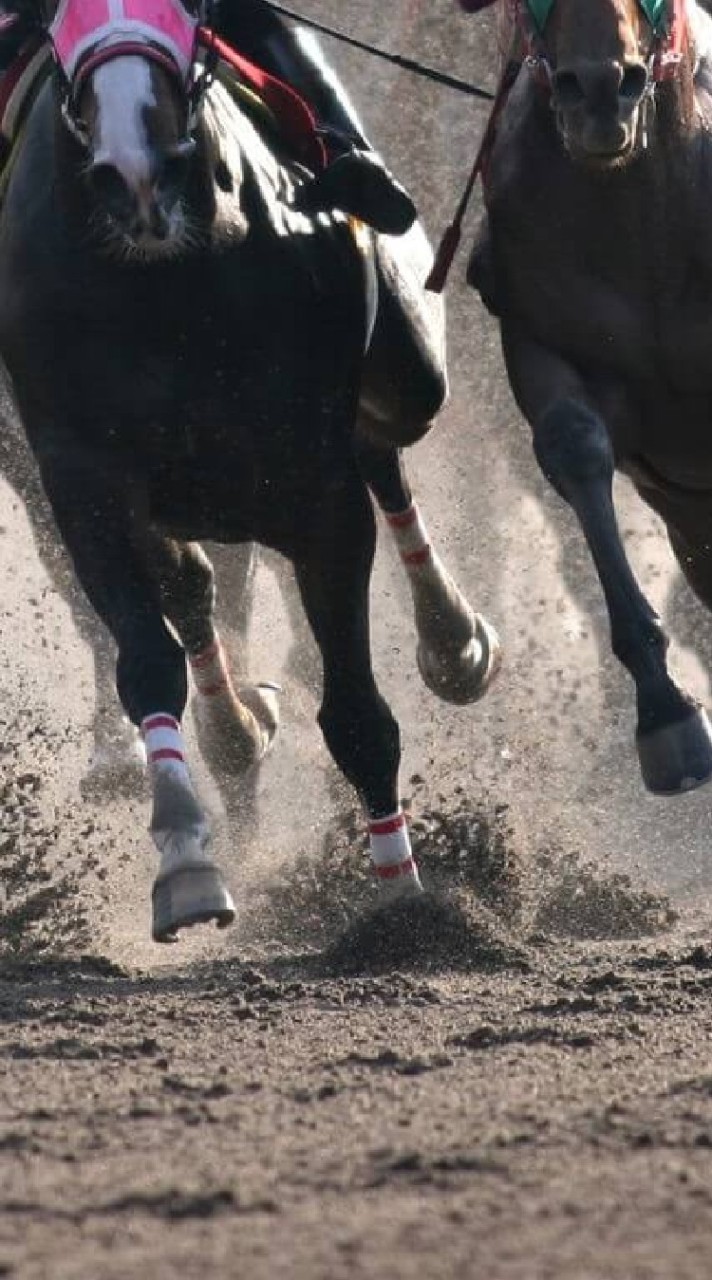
572	447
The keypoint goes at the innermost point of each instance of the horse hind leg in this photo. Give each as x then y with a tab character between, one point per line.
235	725
458	652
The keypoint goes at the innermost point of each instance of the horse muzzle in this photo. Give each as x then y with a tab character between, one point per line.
599	109
144	208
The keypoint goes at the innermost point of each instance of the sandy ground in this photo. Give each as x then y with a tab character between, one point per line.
513	1080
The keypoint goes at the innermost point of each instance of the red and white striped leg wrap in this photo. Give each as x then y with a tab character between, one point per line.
210	670
411	537
165	748
391	854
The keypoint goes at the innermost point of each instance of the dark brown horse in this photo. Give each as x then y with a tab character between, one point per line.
596	255
195	358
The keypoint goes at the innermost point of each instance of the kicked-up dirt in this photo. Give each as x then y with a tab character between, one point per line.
509	1080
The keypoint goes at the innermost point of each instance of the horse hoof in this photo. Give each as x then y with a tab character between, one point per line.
400	889
115	768
190	896
464	677
678	757
263	701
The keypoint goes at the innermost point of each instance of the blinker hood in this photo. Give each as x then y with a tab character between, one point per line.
654	10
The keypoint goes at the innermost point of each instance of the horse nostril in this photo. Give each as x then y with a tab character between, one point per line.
633	83
568	90
111	191
173	172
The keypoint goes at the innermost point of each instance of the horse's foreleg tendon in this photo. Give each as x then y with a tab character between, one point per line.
358	726
673	736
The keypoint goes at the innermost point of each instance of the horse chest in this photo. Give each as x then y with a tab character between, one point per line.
207	359
630	310
606	293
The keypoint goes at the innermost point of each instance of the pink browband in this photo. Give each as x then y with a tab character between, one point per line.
81	26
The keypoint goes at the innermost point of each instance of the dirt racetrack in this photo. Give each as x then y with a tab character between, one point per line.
511	1081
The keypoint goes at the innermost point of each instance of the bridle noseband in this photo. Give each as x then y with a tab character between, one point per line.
166	35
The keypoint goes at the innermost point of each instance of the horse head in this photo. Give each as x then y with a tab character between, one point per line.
130	98
602	60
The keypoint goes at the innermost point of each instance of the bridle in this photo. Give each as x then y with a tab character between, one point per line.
165	33
668	19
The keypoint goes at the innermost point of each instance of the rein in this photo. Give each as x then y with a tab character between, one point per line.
395	59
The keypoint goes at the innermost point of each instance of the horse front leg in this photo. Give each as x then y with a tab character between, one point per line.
358	726
458	651
95	520
117	762
574	450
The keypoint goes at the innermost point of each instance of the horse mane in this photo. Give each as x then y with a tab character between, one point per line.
505	28
507	36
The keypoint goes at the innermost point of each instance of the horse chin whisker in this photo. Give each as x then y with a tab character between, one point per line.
113	242
602	162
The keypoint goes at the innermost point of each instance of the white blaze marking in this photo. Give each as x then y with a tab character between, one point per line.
123	92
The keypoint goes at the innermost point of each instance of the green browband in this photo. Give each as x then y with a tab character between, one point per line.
654	10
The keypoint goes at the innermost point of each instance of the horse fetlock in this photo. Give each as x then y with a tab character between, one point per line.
189	888
641	646
179	827
392	856
236	729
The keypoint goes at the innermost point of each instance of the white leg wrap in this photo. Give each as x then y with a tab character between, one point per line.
391	854
210	671
189	888
165	748
411	538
